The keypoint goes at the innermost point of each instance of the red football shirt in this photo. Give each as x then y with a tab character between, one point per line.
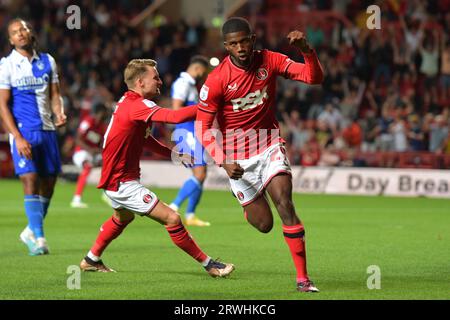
91	132
128	131
124	140
243	101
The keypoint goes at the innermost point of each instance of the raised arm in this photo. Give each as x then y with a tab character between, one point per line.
311	71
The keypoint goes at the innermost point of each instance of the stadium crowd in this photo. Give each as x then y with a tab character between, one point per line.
385	90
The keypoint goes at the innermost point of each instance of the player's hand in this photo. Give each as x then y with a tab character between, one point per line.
23	148
298	39
234	170
60	120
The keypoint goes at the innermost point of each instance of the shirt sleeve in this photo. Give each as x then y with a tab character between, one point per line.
310	72
180	90
55	77
142	110
5	77
280	62
210	96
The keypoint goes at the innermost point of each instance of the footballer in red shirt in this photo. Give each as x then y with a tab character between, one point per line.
240	93
128	131
88	149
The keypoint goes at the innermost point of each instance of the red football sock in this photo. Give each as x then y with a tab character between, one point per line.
82	178
183	240
110	230
294	236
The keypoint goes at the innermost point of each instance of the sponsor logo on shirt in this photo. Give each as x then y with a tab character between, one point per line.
40	65
250	101
31	83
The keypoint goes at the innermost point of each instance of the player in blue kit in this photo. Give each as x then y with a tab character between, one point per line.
29	96
184	93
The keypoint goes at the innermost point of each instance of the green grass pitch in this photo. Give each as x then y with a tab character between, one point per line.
408	239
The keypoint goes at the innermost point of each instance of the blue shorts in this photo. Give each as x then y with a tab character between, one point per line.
184	137
45	160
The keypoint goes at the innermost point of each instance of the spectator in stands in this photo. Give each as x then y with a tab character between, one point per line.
415	135
398	130
445	68
430	62
331	117
438	131
370	130
385	139
353	134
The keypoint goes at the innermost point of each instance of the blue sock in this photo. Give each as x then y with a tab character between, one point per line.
45	202
186	190
194	199
33	210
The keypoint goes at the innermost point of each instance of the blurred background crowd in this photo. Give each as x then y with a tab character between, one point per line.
384	101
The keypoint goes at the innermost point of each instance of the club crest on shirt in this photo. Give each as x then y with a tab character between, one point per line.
204	92
240	195
40	65
147	198
262	74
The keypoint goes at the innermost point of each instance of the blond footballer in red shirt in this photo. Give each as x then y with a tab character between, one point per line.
240	93
128	131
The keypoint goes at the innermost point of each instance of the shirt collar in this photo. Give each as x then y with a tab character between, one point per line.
18	55
188	77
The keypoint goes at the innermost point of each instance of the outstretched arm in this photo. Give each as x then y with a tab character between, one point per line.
175	116
186	159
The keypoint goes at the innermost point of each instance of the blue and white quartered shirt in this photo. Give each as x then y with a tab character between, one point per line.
29	82
184	89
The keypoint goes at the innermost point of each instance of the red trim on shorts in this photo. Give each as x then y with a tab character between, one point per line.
153	207
259	192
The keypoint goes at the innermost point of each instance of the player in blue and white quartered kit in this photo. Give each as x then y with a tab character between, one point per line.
184	93
29	95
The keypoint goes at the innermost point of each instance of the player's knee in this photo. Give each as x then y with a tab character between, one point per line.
284	205
30	187
124	217
264	226
173	219
200	176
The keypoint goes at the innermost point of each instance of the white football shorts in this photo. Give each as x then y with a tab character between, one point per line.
79	157
258	172
134	197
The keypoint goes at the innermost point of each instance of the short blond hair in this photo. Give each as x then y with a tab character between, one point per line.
135	69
